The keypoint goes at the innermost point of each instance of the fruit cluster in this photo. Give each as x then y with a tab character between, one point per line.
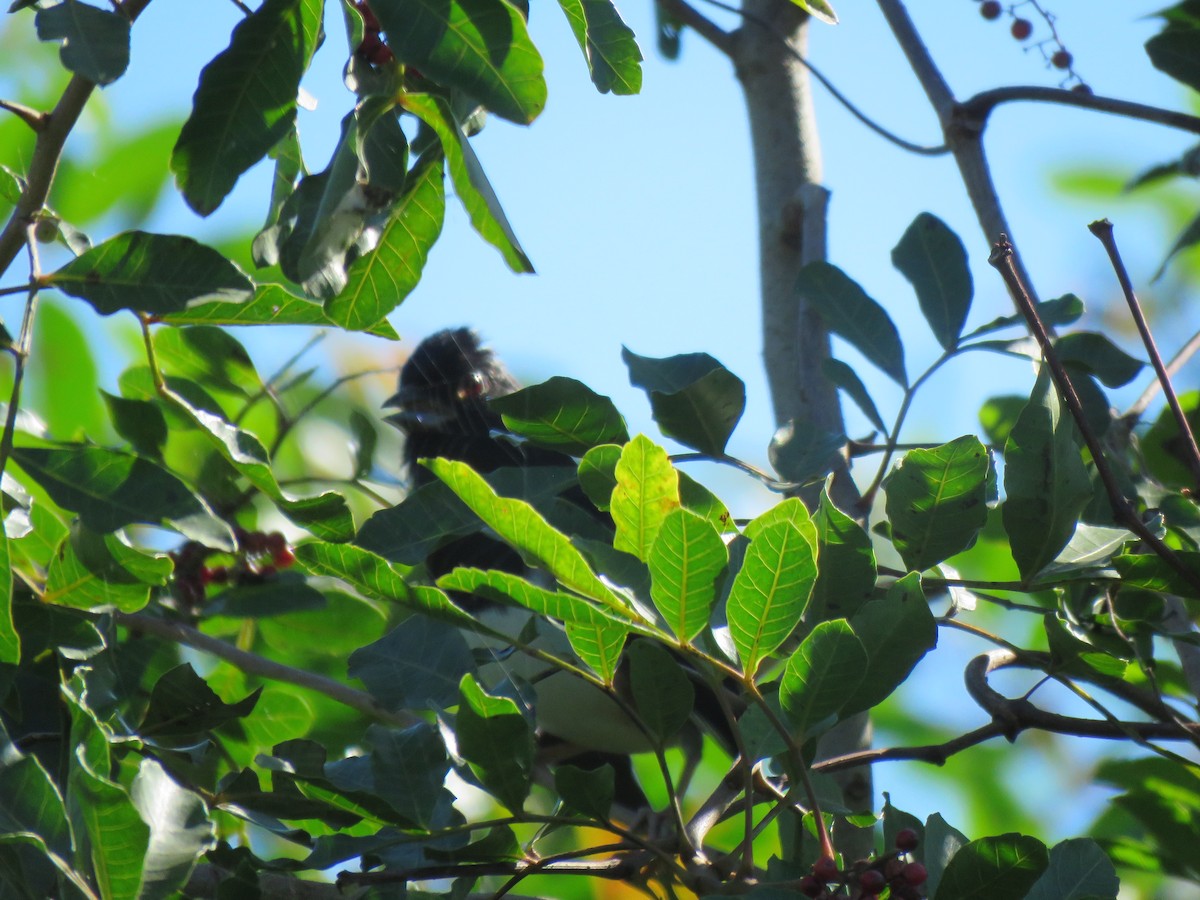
259	556
372	49
1052	49
896	871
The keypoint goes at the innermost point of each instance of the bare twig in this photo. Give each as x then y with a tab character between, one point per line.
1103	230
253	664
699	23
974	112
1178	361
1002	259
31	117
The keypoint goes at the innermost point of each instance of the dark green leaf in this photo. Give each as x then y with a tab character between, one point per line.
1097	355
408	769
847	379
607	43
470	183
769	591
378	281
1176	51
942	841
1152	572
246	101
937	501
802	453
896	632
180	830
1046	483
417	665
479	46
29	801
999	868
647	492
685	559
10	641
110	490
152	273
845	565
1060	311
495	738
661	690
850	314
589	791
181	703
208	356
821	676
695	399
933	259
563	414
95	41
1189	237
1078	869
140	422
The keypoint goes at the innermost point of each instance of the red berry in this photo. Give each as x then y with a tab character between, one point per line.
1021	29
1062	59
284	558
907	840
915	873
872	881
990	9
825	869
810	887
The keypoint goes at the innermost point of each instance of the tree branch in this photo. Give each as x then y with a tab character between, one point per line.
253	664
699	23
974	112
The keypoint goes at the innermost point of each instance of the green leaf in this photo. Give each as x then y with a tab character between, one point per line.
104	817
140	422
818	9
496	740
1189	237
588	790
821	675
93	569
942	841
1176	51
695	399
563	414
607	43
1078	869
769	591
685	559
325	515
999	868
845	565
1097	355
849	313
271	305
794	512
845	378
1045	481
1062	310
802	453
417	665
661	690
151	273
10	641
95	41
470	183
181	703
937	501
933	259
246	101
30	803
521	526
896	633
180	830
378	281
1152	572
479	46
110	490
647	491
598	474
998	415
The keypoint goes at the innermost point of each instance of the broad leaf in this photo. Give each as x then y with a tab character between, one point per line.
1060	311
479	46
847	380
563	414
937	501
416	665
271	305
598	474
95	41
1045	481
695	399
849	313
647	492
497	741
151	273
1078	869
661	690
999	868
821	675
933	259
845	565
608	45
769	592
685	559
1099	356
246	101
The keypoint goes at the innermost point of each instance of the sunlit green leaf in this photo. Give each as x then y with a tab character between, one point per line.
647	491
607	43
685	559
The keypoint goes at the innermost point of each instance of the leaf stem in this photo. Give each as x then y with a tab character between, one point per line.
21	350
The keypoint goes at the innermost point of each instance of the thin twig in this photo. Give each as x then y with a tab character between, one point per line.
699	23
1103	230
253	664
17	289
725	459
1178	361
21	350
31	117
1002	259
975	111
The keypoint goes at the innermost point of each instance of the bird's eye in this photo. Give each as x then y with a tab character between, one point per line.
471	386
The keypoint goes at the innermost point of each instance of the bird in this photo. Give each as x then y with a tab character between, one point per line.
441	408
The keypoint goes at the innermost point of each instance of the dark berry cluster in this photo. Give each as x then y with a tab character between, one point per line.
1056	55
259	556
896	872
372	49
